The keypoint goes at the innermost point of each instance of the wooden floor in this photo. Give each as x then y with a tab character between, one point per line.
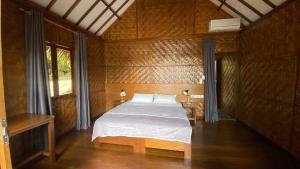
226	145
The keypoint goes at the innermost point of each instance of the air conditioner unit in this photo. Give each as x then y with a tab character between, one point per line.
225	25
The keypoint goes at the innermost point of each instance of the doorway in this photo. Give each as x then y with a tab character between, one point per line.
227	76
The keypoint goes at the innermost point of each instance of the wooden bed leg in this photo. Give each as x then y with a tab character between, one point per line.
139	146
187	151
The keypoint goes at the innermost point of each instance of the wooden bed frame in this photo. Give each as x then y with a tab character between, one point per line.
140	144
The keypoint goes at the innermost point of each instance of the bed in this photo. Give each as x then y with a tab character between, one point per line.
145	125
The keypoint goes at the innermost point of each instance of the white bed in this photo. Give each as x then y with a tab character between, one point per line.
167	122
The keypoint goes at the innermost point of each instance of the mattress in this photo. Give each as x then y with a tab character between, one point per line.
145	120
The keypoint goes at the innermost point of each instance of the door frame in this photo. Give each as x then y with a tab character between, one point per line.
5	158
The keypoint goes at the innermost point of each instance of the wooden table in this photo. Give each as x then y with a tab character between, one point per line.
191	110
25	122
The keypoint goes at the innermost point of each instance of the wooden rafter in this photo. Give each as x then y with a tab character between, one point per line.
236	11
102	26
270	4
99	16
71	9
110	8
87	12
251	7
287	2
222	3
51	3
54	18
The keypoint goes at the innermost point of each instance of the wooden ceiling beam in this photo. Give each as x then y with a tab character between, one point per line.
102	26
71	9
110	8
251	8
236	11
287	2
222	3
87	12
99	16
54	18
51	3
268	2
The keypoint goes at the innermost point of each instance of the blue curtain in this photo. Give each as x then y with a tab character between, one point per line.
81	77
38	91
210	89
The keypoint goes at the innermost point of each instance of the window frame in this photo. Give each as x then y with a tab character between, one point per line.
53	48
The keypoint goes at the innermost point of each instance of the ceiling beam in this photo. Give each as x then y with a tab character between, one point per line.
251	7
71	9
222	3
110	8
102	26
270	4
287	2
99	16
236	11
53	18
51	3
87	12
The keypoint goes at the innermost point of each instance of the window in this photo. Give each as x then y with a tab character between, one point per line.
59	70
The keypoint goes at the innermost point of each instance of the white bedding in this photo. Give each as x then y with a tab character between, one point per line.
145	120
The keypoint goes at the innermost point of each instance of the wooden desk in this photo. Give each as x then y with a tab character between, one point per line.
25	122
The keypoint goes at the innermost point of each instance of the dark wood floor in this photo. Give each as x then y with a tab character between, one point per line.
226	145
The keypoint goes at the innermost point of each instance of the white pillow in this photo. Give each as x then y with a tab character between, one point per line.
163	98
142	98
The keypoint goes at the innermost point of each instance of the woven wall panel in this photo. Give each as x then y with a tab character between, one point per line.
125	28
158	18
97	103
165	52
14	59
96	76
158	75
268	76
228	83
204	12
64	110
58	35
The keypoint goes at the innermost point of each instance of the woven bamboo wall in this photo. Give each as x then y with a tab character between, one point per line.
164	18
268	73
228	79
158	43
14	59
96	76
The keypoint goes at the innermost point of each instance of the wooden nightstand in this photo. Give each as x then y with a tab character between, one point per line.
191	110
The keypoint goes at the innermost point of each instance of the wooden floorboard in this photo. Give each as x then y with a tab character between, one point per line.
226	145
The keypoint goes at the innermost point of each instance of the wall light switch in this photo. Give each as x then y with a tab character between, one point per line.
197	96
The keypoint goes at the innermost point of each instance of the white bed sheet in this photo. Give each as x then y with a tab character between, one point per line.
145	120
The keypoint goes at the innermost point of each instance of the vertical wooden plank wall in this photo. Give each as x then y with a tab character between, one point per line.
269	78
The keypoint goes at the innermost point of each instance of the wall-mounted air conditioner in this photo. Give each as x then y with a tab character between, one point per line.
225	25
